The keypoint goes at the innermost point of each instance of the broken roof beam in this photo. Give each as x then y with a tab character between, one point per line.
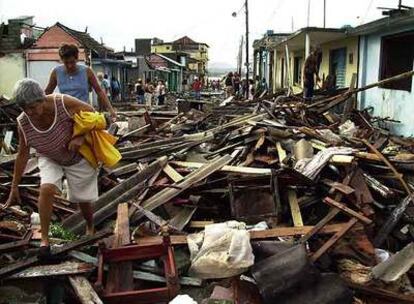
167	194
226	168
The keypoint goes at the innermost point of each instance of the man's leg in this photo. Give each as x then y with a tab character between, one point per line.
87	212
46	197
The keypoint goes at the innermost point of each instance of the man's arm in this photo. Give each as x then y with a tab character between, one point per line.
51	86
101	94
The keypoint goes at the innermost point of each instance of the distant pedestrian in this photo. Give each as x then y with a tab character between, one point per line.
185	84
245	87
229	84
236	84
214	85
160	92
196	86
310	72
75	79
104	85
115	89
107	83
251	89
139	91
149	91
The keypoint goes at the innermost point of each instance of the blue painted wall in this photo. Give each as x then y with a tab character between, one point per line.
395	104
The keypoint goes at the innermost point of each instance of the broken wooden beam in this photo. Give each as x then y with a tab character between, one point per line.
349	211
62	269
332	241
20	265
120	274
226	168
254	235
167	194
84	290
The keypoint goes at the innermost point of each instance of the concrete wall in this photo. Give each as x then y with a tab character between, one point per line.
12	69
351	45
395	104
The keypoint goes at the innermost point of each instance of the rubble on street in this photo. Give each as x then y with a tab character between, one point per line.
270	200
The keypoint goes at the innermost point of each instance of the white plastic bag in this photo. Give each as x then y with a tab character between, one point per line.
223	252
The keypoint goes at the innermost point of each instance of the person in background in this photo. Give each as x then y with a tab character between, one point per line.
139	91
245	87
104	85
251	89
185	84
75	79
47	125
264	86
236	84
229	84
115	89
214	85
197	86
160	93
310	73
149	91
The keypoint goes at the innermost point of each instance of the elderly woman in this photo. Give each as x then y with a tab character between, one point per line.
75	79
46	125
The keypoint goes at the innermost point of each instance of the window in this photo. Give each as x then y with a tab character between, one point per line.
397	56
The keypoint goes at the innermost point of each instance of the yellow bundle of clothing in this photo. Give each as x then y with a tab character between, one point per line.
99	144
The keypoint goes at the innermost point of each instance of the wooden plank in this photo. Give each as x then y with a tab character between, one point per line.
347	210
294	208
389	165
84	290
120	274
254	235
65	268
174	175
199	224
167	194
333	212
332	241
380	293
20	265
281	152
226	169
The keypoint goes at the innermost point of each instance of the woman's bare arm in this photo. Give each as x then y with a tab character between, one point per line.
51	86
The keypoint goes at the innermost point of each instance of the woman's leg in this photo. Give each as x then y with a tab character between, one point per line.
87	212
46	197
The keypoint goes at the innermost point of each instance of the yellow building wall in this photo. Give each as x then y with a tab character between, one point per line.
162	48
12	69
351	45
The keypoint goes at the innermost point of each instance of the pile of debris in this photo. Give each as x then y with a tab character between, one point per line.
264	201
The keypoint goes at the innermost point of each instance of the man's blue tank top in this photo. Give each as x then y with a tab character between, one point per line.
75	85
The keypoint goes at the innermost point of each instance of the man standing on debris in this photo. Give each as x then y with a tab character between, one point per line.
310	72
196	86
47	125
229	85
75	79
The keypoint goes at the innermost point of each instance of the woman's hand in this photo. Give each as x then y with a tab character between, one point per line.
14	198
76	143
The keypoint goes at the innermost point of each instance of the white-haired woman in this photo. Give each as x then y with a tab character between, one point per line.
46	125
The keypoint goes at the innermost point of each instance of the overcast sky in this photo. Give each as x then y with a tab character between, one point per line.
118	22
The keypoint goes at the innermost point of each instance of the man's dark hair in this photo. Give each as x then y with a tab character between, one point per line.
68	50
106	76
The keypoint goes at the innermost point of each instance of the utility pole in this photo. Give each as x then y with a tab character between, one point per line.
324	13
308	14
247	44
240	57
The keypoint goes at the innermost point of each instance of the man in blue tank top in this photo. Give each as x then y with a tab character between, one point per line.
75	79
